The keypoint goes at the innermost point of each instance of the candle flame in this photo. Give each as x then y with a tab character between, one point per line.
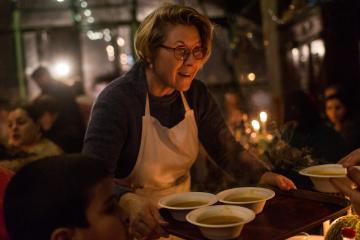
263	116
255	124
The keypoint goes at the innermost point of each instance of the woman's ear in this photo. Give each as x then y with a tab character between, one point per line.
149	62
62	234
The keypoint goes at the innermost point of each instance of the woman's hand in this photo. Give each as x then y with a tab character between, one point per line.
346	189
277	180
145	221
353	173
351	159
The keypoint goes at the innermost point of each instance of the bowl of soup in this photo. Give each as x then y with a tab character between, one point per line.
306	237
180	204
253	198
320	175
220	222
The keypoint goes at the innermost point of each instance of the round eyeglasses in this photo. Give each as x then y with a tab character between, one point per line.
182	53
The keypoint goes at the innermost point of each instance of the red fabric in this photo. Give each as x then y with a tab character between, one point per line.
5	176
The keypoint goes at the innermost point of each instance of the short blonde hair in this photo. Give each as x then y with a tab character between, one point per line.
152	31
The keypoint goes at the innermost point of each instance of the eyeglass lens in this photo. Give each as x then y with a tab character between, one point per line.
183	53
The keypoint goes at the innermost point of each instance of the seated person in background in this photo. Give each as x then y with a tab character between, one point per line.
69	111
353	173
55	126
64	197
83	100
310	133
5	176
340	113
48	110
25	136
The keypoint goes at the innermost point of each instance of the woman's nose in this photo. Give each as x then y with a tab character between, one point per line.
14	127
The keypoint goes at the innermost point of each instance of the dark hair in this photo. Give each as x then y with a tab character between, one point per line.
50	193
302	108
30	110
39	71
45	103
346	101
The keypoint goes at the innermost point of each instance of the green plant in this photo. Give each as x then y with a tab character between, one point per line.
280	155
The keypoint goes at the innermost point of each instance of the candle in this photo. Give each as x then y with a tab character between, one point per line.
256	125
263	118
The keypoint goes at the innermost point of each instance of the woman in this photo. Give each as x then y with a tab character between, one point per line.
148	124
311	131
25	137
340	114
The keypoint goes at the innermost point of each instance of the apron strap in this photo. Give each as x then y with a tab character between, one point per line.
147	106
186	105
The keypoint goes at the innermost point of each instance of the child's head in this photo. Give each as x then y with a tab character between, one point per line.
64	197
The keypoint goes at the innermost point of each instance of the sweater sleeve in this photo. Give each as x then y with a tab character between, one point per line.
236	162
107	130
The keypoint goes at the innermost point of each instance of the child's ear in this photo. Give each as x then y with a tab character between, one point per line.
62	234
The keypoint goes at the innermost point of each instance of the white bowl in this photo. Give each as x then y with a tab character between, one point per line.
307	237
180	204
253	198
320	175
221	231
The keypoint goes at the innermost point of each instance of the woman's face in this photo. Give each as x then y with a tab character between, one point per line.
22	130
103	215
335	110
169	73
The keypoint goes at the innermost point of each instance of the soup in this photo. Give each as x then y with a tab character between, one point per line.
327	172
242	198
187	204
220	220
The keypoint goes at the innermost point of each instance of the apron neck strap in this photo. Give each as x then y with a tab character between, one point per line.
186	105
147	107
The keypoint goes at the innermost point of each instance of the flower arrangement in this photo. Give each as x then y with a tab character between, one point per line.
277	152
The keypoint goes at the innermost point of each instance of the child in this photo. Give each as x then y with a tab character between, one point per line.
63	197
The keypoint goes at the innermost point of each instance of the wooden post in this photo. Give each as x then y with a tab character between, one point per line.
16	25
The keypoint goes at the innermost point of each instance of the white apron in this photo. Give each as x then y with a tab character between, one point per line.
165	156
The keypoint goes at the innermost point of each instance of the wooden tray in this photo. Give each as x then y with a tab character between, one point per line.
287	214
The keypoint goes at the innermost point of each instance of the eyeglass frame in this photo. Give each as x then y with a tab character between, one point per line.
188	51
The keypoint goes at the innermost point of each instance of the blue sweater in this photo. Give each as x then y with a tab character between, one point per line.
114	131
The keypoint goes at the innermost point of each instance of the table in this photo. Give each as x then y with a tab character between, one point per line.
287	214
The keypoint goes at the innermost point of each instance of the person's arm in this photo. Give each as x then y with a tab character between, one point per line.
351	159
106	132
354	174
244	167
